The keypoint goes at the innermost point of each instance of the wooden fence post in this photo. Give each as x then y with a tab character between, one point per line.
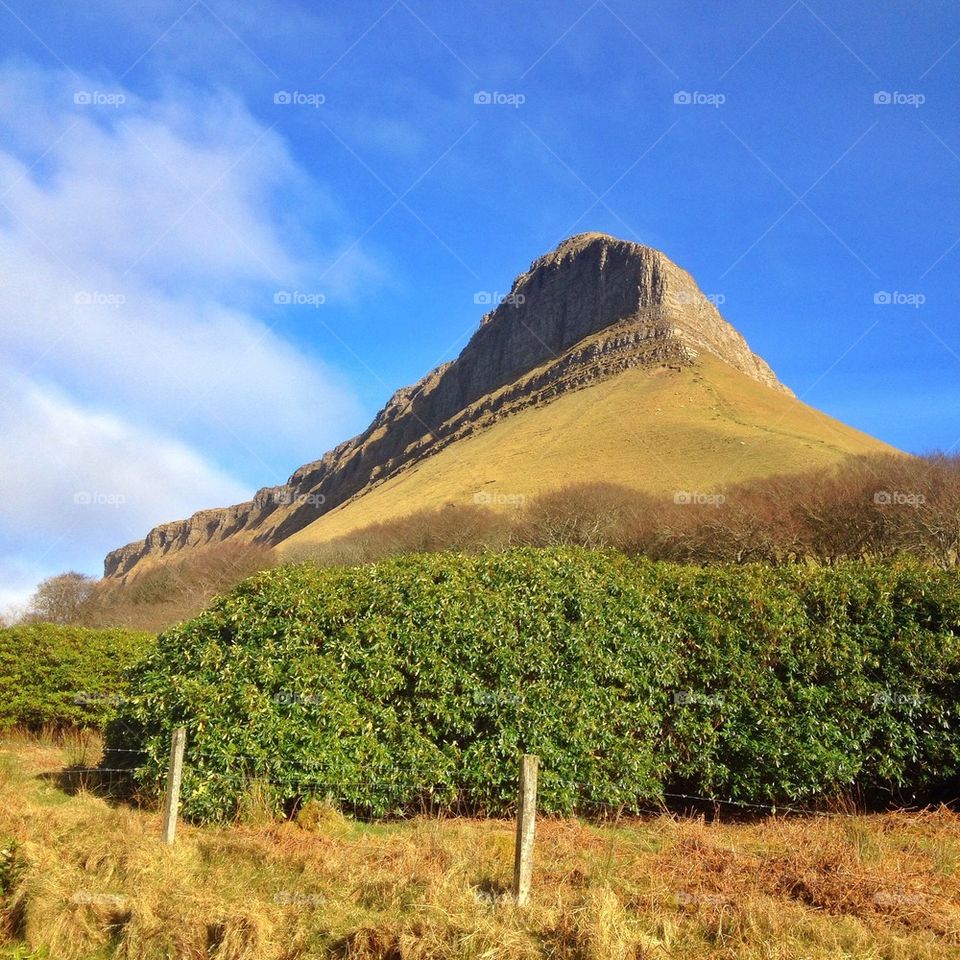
526	822
174	775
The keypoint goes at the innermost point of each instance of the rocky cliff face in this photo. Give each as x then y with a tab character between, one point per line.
583	312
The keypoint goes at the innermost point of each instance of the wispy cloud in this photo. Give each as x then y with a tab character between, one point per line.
76	476
142	245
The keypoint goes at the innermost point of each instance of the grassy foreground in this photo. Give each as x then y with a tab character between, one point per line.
83	879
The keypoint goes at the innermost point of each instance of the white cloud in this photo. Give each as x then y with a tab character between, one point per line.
140	246
77	481
18	581
162	215
240	39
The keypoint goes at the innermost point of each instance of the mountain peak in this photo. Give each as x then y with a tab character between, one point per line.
580	240
592	282
577	244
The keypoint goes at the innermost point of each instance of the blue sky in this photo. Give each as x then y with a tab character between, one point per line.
172	172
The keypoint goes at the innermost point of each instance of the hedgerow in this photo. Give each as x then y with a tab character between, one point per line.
63	676
421	679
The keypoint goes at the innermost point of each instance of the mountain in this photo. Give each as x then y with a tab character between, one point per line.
605	361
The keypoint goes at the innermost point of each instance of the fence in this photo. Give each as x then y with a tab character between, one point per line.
526	812
526	807
525	815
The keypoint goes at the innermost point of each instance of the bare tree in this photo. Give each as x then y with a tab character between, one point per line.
61	598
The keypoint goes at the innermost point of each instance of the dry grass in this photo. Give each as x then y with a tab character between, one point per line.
89	880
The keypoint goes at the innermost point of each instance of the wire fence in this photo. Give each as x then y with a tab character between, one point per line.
452	796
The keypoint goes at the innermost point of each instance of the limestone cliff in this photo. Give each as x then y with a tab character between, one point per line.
589	309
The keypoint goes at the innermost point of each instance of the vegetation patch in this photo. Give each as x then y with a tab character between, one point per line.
416	683
62	676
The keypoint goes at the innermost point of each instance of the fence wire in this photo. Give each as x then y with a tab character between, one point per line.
417	793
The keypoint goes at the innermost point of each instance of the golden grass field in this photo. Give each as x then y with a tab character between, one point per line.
657	431
80	878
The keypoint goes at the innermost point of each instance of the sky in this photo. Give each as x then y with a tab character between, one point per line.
230	230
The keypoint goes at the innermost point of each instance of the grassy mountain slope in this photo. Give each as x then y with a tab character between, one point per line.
659	430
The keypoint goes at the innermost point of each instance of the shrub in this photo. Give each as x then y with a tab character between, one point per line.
420	680
875	506
465	528
61	676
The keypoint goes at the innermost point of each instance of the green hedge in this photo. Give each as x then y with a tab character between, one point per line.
421	679
57	676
